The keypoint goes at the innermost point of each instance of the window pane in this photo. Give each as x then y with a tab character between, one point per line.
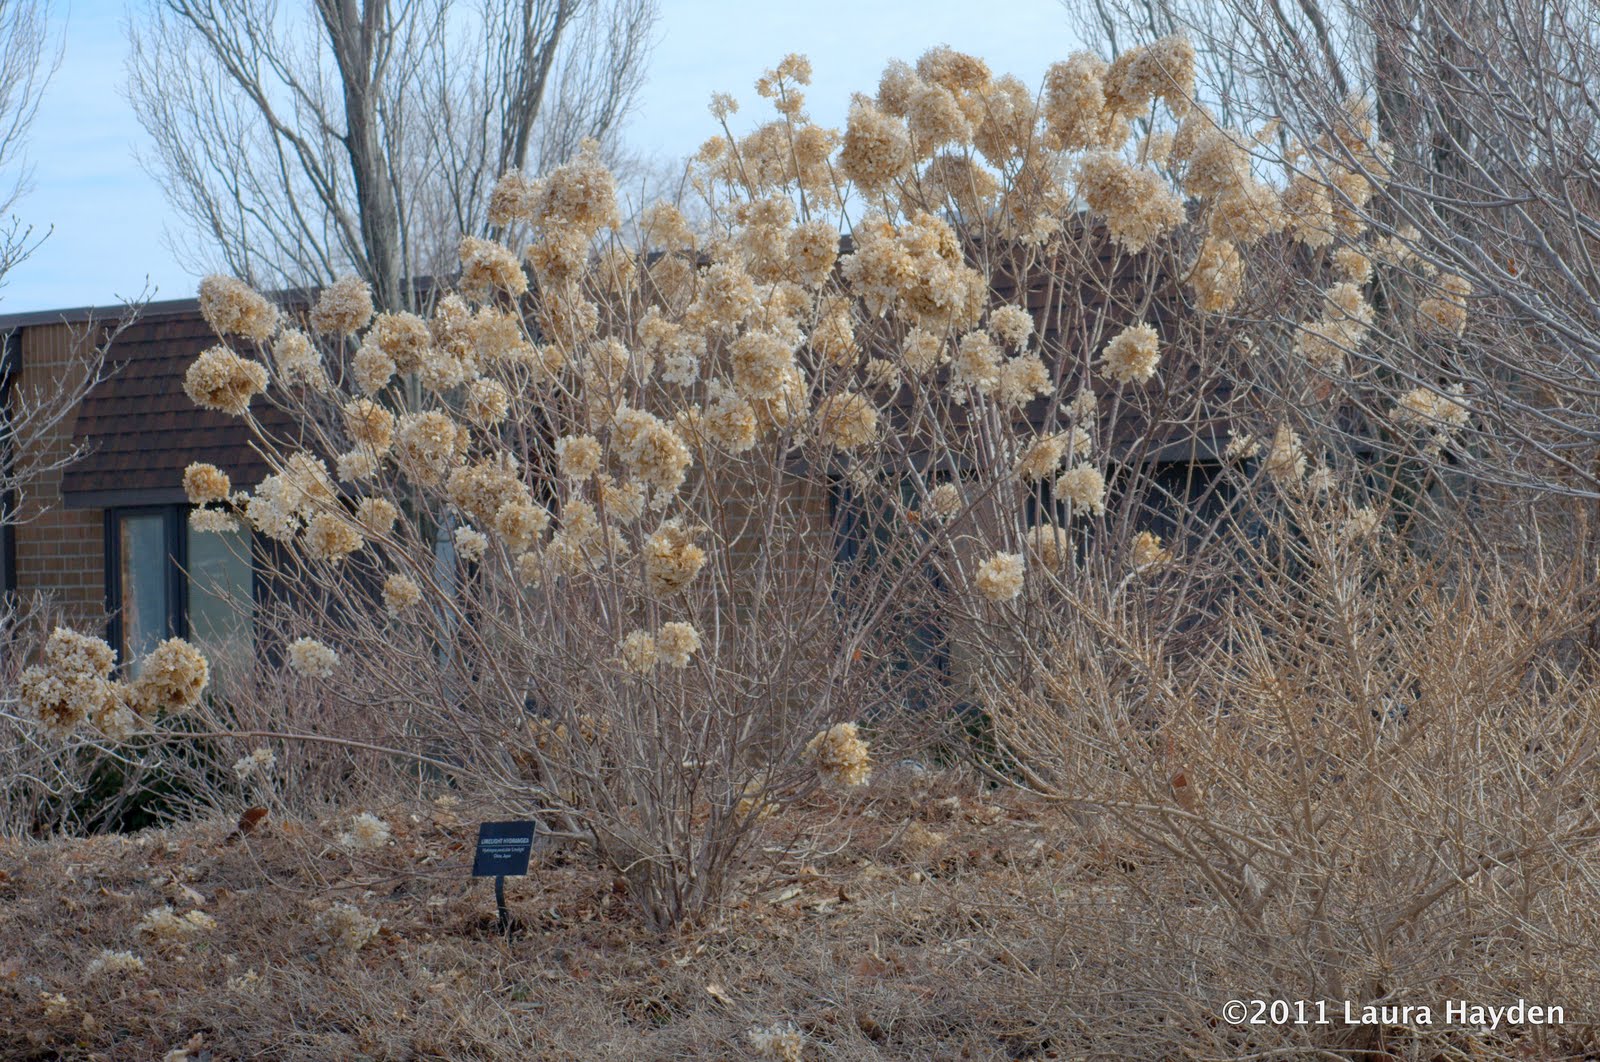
144	585
221	602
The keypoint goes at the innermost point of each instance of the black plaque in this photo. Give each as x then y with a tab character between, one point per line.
503	849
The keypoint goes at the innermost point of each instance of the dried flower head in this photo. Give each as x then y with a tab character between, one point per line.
205	483
671	559
366	831
470	544
846	421
310	657
298	362
171	679
1132	355
1013	325
343	308
840	756
232	307
257	761
1000	577
400	593
118	963
220	379
377	516
1286	460
1049	545
944	501
347	929
677	643
638	652
487	267
1147	551
1085	487
1446	313
1137	204
777	1043
331	537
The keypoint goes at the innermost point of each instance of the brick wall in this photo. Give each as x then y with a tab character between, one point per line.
60	552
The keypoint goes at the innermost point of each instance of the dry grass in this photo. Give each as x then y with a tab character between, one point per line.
930	918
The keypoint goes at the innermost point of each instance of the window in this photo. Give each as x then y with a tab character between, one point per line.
164	580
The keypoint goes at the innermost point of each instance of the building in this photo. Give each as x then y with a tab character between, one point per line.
111	545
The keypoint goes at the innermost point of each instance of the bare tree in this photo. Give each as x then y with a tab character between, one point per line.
306	142
26	63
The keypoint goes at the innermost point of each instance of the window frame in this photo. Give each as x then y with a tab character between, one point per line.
175	532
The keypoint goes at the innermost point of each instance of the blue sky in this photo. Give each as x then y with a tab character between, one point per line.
111	224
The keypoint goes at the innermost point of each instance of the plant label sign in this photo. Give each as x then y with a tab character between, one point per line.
503	849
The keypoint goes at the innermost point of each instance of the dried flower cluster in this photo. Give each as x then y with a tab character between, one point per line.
840	755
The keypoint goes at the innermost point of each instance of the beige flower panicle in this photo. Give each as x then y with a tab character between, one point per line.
923	351
1022	379
332	537
1242	446
1013	325
297	361
652	451
428	444
1042	455
117	963
1132	355
232	307
212	521
353	466
729	419
343	308
1217	277
841	757
471	544
487	267
779	1042
372	367
487	402
171	679
366	831
877	148
257	761
400	593
204	483
377	515
1446	313
1361	523
1147	551
405	337
1048	544
310	657
1426	407
677	643
222	380
1084	486
671	559
368	423
519	522
1286	459
944	501
347	929
977	363
846	421
1000	577
638	652
1138	206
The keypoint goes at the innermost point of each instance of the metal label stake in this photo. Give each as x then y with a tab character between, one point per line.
503	849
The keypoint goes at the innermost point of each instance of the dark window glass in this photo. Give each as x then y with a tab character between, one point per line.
145	582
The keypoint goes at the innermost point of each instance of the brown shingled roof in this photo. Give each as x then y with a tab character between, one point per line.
142	430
